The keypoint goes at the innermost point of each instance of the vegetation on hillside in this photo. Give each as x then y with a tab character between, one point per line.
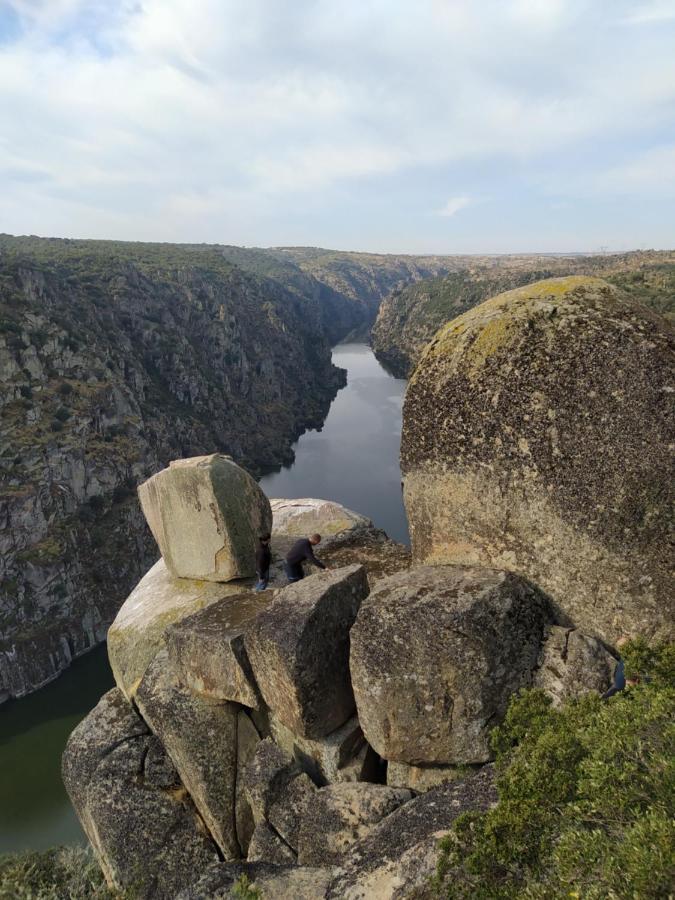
586	797
64	873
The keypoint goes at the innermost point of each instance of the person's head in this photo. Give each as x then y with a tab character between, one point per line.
315	539
265	538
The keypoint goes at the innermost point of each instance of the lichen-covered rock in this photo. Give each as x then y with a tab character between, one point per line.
266	846
248	739
326	760
142	824
206	514
158	600
299	650
277	792
400	852
208	650
572	663
276	882
339	816
537	437
436	652
200	736
422	778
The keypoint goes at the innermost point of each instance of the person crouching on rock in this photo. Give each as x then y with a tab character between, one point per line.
263	558
299	552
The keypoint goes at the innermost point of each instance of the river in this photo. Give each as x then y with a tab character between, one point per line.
352	459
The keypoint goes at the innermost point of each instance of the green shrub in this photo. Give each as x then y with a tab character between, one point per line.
586	797
66	873
62	414
245	890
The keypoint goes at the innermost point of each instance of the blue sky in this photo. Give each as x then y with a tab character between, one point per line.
441	126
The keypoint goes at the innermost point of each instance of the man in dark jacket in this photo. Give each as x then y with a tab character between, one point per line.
299	552
263	558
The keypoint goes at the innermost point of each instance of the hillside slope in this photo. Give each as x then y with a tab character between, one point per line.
115	358
410	316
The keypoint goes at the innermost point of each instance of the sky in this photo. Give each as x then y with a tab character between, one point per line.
425	126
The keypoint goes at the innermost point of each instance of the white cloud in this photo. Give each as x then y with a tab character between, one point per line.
647	13
155	113
454	205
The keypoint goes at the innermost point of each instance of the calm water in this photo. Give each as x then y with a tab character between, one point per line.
35	812
353	459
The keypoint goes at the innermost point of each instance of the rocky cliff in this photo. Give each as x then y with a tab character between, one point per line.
410	316
113	359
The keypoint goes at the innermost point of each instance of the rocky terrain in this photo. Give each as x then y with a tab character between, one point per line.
410	316
330	738
291	736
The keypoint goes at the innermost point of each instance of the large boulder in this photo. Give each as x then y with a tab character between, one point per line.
137	633
572	663
208	649
436	652
422	778
400	853
141	822
206	514
537	437
299	651
298	518
339	816
200	736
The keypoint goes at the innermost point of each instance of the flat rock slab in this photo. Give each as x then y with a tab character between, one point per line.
206	514
299	651
572	663
200	736
436	652
141	822
400	852
339	816
273	882
158	600
208	650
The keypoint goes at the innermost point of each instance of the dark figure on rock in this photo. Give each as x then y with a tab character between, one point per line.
300	552
263	558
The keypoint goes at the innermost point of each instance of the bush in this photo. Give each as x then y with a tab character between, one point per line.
65	389
586	797
66	873
62	414
56	425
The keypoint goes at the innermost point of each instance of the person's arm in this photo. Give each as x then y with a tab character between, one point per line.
311	558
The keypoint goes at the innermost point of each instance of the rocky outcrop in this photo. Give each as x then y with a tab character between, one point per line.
572	663
206	514
200	737
299	651
400	853
341	815
274	881
158	600
422	778
436	653
553	463
137	815
298	518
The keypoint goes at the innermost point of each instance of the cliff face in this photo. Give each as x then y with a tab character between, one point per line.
410	316
115	358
